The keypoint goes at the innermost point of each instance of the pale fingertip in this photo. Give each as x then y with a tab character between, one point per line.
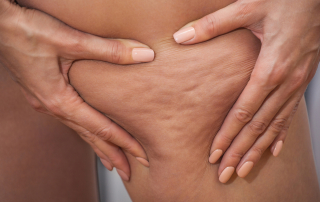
277	148
184	34
215	156
143	161
245	169
142	54
226	174
123	175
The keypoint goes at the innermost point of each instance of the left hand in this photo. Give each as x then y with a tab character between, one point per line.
289	31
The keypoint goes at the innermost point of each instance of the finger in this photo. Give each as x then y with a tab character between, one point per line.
103	158
277	144
237	150
119	51
264	82
240	114
259	123
227	19
248	135
114	154
116	157
106	163
110	155
265	140
85	120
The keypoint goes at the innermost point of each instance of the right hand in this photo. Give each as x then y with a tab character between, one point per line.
38	50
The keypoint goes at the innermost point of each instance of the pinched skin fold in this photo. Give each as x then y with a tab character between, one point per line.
173	106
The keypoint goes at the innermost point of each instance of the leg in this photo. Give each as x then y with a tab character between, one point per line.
40	159
174	107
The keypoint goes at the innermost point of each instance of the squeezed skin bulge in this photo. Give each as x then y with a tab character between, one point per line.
175	105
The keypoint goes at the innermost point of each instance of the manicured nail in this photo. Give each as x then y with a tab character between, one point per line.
277	148
106	164
142	54
123	175
215	156
143	161
184	34
226	174
245	169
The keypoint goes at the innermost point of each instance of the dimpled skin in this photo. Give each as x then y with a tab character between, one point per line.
175	105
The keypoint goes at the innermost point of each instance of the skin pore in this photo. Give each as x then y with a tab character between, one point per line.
175	105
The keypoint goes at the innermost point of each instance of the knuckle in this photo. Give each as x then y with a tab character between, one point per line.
277	76
299	79
116	52
271	80
88	136
105	134
236	155
257	127
278	124
128	146
115	158
243	115
296	106
244	9
285	130
75	44
54	105
37	106
257	150
211	24
62	101
226	140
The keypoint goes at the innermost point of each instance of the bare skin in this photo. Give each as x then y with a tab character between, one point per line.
175	105
41	159
34	46
287	62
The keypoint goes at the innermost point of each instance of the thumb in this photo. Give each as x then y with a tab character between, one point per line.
217	23
118	51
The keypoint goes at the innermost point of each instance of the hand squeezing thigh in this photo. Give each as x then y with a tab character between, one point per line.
174	105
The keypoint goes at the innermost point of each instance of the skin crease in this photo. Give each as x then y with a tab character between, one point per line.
175	105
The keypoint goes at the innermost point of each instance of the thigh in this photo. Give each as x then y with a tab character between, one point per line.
175	105
40	159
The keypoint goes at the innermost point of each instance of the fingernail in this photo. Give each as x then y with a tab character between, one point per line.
226	174
184	34
142	54
215	156
245	169
106	164
277	148
123	175
143	161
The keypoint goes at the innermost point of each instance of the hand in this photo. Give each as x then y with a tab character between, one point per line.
289	31
38	51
